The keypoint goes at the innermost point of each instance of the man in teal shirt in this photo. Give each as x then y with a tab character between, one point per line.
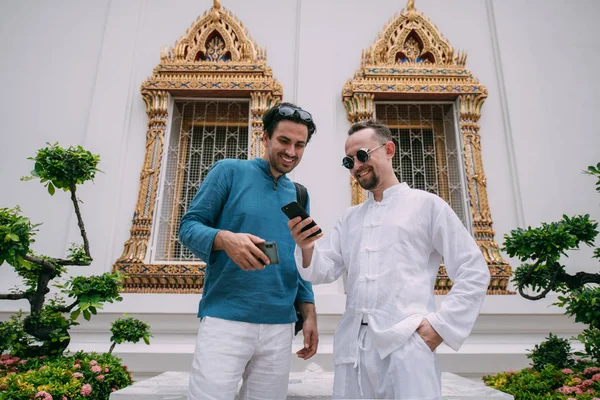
247	308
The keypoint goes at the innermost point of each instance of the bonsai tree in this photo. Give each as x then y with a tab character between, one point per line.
540	249
555	373
45	329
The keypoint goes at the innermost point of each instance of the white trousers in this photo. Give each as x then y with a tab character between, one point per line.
227	351
411	372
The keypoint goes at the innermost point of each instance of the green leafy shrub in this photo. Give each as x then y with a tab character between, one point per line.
541	249
554	351
44	331
62	168
16	235
555	373
129	330
75	377
581	382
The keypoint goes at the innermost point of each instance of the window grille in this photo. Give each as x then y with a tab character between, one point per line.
427	153
202	132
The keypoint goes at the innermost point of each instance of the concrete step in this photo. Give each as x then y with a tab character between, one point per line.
303	386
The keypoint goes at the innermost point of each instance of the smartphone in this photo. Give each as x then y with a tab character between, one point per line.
293	210
270	249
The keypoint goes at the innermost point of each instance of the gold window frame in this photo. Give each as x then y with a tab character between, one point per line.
430	71
183	73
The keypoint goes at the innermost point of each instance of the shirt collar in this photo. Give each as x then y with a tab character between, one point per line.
392	191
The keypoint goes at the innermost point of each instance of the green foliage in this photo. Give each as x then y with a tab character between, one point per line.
553	351
550	383
595	171
13	338
76	377
591	340
540	249
584	304
130	330
62	168
92	291
77	254
551	241
539	277
45	330
16	235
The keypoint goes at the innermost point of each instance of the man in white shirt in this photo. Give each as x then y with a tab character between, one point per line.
391	247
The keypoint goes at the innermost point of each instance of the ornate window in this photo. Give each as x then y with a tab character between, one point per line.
202	132
427	153
412	62
215	60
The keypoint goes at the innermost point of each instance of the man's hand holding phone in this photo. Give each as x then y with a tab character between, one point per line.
305	231
242	249
304	239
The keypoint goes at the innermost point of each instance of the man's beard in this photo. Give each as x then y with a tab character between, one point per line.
370	182
278	166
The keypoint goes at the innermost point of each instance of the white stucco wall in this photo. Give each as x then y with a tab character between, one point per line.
71	72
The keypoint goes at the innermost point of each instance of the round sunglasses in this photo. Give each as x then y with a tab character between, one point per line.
362	155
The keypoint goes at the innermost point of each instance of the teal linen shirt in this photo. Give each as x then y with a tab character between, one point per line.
242	196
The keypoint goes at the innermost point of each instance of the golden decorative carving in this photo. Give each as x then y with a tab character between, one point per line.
411	60
215	58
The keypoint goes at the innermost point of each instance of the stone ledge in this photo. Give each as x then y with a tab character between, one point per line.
303	386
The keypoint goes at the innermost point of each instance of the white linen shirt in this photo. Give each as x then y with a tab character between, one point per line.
391	251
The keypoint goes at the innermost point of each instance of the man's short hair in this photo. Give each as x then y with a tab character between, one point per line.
382	132
272	117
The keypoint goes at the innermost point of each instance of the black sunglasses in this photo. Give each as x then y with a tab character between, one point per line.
287	111
362	155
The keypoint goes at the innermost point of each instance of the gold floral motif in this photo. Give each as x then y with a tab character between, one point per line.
411	60
215	57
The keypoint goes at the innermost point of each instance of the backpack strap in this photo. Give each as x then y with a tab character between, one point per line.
301	198
301	194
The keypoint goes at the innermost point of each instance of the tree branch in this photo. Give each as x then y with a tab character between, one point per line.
40	261
13	296
573	282
547	290
86	244
36	300
579	279
61	261
68	308
539	296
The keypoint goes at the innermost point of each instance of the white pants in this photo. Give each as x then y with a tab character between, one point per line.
227	351
409	373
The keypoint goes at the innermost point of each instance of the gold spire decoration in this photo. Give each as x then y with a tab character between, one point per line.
410	5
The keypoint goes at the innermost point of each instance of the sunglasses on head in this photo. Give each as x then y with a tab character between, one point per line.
362	155
287	111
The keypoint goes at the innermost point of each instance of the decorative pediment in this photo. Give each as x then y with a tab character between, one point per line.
215	54
411	38
410	56
217	35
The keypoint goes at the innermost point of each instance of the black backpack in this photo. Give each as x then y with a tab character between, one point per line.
301	198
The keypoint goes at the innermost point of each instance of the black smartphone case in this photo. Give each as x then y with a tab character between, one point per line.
293	210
